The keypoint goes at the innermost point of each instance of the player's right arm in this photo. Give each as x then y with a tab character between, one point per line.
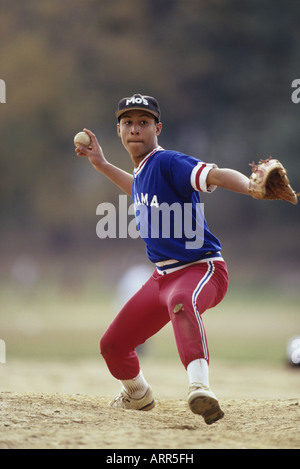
95	154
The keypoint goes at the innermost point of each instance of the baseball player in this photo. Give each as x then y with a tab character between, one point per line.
190	274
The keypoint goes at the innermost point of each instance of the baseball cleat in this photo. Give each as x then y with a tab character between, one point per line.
124	401
202	401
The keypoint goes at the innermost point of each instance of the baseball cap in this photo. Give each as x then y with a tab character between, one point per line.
138	101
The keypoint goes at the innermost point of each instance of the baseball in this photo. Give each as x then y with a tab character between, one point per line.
82	138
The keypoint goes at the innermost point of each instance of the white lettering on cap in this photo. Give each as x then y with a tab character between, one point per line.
137	100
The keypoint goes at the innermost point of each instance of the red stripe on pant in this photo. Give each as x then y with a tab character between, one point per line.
197	288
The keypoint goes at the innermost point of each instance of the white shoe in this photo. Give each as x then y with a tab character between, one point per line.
202	401
124	401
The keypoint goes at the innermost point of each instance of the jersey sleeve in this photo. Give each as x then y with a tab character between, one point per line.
199	176
189	174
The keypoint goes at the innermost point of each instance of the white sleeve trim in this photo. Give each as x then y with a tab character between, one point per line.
199	175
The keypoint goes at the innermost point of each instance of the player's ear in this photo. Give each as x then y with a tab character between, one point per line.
118	130
158	128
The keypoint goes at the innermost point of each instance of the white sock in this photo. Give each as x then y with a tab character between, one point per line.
198	372
136	387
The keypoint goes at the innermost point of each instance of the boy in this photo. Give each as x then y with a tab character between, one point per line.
190	276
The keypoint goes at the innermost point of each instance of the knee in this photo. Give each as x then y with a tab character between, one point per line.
106	346
109	345
178	303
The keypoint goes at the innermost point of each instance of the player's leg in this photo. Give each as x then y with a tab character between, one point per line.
140	318
189	293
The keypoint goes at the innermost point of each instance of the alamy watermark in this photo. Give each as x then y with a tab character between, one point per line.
296	93
2	91
2	351
149	219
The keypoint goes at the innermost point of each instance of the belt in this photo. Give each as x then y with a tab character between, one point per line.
171	265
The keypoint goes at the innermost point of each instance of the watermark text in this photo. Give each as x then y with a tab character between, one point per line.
2	351
148	218
2	91
296	93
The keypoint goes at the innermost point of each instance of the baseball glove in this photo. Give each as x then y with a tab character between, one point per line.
269	181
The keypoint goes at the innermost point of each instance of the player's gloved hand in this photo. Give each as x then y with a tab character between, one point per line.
269	181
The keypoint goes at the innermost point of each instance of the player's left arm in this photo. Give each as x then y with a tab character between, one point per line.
229	179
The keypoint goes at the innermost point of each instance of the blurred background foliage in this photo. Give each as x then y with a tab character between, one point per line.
222	72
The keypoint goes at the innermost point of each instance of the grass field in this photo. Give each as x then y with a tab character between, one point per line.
50	322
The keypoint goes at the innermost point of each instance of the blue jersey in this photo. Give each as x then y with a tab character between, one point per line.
170	217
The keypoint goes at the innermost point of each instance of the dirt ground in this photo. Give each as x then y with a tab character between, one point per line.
64	406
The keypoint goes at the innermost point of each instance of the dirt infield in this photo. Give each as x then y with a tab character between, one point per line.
64	406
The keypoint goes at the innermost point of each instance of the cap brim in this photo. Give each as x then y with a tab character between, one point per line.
149	111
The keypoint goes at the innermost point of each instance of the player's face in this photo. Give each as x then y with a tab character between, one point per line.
138	131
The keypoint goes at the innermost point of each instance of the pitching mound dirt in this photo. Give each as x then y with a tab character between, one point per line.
62	408
63	421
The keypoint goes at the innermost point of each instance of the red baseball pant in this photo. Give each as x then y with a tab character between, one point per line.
180	297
